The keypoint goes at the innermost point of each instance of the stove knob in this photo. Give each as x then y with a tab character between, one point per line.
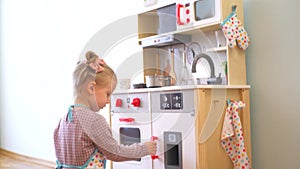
136	102
119	103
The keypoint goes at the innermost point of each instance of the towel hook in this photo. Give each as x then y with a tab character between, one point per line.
233	8
228	102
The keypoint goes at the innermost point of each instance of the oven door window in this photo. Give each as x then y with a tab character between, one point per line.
129	136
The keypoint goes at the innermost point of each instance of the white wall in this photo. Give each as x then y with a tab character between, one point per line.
274	75
41	41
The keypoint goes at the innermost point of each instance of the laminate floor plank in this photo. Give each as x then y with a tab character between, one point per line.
11	162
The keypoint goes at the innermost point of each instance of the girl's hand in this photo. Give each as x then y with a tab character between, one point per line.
151	146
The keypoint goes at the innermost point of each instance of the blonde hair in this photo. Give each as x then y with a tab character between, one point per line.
84	73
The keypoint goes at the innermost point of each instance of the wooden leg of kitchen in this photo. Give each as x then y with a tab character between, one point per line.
201	148
246	120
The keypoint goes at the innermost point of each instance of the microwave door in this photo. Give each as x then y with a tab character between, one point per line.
204	9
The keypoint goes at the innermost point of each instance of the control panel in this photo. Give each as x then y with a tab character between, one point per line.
171	101
130	103
180	101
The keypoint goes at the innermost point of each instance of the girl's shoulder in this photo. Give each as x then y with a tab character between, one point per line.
93	124
88	116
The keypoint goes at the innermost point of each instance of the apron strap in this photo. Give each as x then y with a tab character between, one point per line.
60	166
70	115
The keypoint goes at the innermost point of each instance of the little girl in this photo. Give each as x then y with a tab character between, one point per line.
83	138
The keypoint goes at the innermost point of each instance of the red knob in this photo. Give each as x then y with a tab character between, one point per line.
188	20
136	102
187	11
154	157
119	103
128	120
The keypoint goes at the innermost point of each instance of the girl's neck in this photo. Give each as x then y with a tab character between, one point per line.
89	101
82	102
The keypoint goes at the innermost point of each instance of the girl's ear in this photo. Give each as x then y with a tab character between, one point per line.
91	87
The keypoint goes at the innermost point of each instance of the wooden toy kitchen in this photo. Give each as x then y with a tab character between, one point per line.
200	114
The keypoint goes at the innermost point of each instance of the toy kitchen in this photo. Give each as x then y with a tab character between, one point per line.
194	81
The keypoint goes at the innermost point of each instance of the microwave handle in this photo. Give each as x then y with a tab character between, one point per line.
179	6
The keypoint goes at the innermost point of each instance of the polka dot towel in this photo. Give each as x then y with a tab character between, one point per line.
232	139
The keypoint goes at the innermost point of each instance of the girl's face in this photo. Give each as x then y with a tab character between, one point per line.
103	94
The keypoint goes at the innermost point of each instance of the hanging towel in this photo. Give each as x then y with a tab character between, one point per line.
232	139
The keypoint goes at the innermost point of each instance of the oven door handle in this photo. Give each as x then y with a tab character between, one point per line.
153	138
153	157
127	120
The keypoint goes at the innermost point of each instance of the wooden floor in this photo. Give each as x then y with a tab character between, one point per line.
10	160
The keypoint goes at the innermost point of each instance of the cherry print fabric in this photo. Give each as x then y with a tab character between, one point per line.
232	138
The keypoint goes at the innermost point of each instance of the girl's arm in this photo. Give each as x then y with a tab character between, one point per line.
100	132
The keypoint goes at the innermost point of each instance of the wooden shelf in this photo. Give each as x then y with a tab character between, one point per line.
187	31
216	49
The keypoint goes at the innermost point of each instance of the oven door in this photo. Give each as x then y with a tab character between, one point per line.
175	154
129	128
